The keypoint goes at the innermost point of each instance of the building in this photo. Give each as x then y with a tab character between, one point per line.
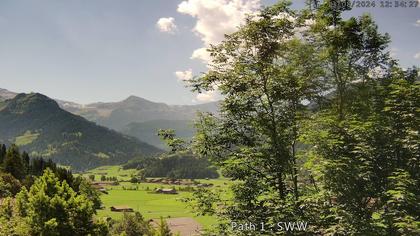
166	191
121	209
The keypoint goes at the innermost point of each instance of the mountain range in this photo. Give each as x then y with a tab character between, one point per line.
39	126
86	136
117	115
136	116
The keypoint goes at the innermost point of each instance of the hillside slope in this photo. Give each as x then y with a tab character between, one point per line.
37	124
147	131
117	115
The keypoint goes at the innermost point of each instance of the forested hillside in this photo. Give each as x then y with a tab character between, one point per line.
174	165
147	131
135	116
39	126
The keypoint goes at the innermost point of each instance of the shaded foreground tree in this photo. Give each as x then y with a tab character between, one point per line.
317	124
132	225
50	207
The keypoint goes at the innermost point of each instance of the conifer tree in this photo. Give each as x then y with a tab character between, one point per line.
2	153
51	207
13	163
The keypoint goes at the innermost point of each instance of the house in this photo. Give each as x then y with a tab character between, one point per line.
105	183
103	190
166	191
121	209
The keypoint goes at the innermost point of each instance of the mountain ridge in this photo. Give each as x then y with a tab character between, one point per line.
138	117
116	115
39	126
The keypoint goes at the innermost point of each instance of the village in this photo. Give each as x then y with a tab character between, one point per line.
152	197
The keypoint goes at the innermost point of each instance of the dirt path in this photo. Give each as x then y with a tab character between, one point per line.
185	226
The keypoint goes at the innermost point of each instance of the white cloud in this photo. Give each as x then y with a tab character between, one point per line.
417	23
184	75
377	72
201	54
216	18
417	56
393	52
166	24
287	16
208	96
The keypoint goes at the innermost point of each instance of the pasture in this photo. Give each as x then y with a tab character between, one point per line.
141	197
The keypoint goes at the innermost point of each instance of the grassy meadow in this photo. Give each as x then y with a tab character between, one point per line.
141	197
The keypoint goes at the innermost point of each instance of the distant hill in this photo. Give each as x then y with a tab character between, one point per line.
6	94
38	125
117	115
136	116
147	130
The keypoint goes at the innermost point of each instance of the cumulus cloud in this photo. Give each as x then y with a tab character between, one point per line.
208	96
417	56
393	52
215	19
377	72
201	54
166	24
184	75
417	23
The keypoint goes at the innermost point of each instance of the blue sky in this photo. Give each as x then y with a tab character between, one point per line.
105	50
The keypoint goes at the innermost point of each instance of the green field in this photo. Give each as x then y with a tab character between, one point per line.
151	205
110	171
27	138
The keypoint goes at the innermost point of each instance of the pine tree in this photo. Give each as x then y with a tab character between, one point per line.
51	207
132	225
163	229
13	163
25	160
2	153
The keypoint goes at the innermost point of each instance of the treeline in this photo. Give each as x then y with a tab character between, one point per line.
182	165
37	197
18	169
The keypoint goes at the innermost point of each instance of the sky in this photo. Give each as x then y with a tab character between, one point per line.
106	50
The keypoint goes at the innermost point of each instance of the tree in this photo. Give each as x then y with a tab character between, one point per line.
134	180
265	73
163	229
51	207
398	214
9	185
2	153
93	195
26	162
355	144
168	136
13	163
10	222
92	177
316	123
132	225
